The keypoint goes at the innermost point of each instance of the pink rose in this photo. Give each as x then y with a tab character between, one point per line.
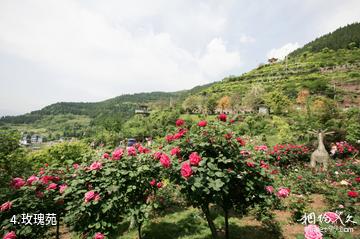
202	123
165	161
331	216
222	117
106	156
89	196
269	189
157	155
52	186
5	206
312	232
97	197
250	164
175	151
117	154
32	179
169	138
95	166
153	182
99	235
186	170
39	194
75	166
194	158
283	192
261	148
62	188
17	183
10	235
179	122
159	185
131	151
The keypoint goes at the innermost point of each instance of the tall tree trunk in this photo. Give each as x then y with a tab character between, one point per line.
206	211
226	215
139	230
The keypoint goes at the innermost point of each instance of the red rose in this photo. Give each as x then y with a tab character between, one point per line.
202	123
157	155
131	151
175	151
169	138
17	183
153	182
240	141
222	117
353	194
105	156
179	122
159	185
5	206
228	136
186	170
357	179
194	158
250	164
165	160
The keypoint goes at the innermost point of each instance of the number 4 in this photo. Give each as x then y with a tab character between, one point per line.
13	219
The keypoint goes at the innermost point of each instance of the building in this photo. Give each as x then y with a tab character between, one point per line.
143	109
272	60
36	139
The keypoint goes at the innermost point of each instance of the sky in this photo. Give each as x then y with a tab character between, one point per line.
91	50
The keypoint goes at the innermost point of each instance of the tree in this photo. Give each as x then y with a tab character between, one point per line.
277	101
224	103
254	97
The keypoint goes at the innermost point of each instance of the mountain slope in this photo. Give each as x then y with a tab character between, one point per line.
342	38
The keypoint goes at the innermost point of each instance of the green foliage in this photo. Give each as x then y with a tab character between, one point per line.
277	101
342	38
12	159
61	153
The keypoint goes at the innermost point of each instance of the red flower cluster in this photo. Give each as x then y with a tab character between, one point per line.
353	194
285	153
222	117
344	149
179	122
241	141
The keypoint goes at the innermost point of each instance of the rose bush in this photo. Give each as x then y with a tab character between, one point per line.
211	166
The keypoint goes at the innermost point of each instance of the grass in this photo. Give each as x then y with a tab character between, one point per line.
190	224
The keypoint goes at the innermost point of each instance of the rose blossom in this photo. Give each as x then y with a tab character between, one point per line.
240	141
62	188
32	179
194	158
353	194
202	123
117	154
10	235
312	232
222	117
75	166
175	151
95	166
165	160
99	235
159	185
157	155
106	156
283	192
17	183
186	170
5	206
331	216
269	189
89	196
153	182
97	197
179	122
52	186
131	151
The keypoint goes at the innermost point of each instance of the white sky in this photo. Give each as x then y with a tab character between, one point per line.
92	50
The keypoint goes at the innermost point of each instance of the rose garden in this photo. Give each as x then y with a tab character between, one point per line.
225	185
